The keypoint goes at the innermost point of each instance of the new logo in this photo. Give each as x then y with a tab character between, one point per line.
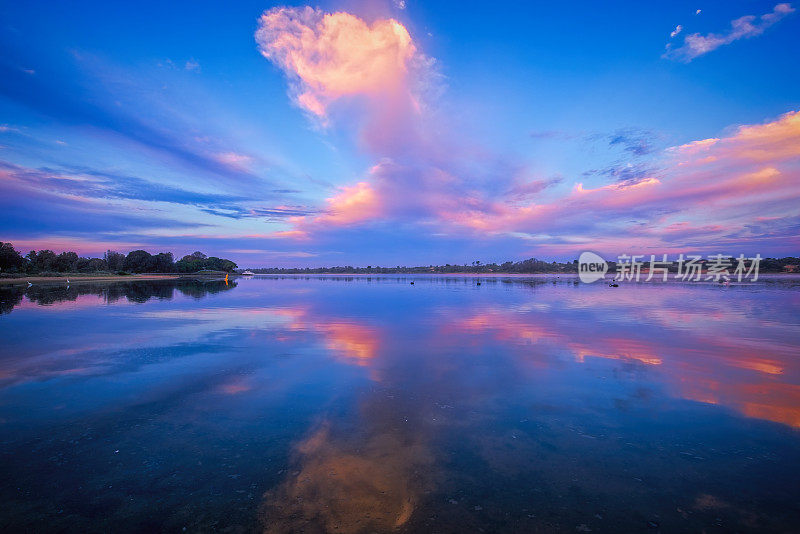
591	267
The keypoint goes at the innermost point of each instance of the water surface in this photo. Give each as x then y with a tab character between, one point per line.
363	404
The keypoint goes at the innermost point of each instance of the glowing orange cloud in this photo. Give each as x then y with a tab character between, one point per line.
334	55
352	205
771	142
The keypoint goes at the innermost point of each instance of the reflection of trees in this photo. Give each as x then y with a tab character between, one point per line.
133	291
200	288
139	292
9	298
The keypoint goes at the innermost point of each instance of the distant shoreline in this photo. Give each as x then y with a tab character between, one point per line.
478	275
78	278
81	278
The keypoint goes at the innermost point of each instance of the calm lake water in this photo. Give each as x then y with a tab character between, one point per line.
355	404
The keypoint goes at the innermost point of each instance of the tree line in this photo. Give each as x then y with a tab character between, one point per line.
137	261
141	261
529	266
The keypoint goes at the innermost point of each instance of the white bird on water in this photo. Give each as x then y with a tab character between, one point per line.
29	284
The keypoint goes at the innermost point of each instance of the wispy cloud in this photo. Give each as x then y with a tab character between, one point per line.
36	202
625	172
696	44
528	191
634	141
277	213
57	93
235	160
88	183
552	134
192	65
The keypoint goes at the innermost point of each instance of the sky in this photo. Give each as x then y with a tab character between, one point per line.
400	132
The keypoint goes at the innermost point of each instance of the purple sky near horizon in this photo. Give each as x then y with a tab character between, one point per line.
398	133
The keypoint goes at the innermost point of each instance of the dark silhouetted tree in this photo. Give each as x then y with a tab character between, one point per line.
10	259
163	263
114	260
44	260
66	262
91	265
139	261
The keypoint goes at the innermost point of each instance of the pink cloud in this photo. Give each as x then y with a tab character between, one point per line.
234	160
334	55
353	204
774	141
288	234
343	69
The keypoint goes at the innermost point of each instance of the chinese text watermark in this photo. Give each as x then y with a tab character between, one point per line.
719	268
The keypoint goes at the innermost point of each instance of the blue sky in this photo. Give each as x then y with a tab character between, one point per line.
503	131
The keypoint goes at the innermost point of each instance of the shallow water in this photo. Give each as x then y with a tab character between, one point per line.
362	404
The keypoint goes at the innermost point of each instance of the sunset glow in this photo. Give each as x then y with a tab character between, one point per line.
360	134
